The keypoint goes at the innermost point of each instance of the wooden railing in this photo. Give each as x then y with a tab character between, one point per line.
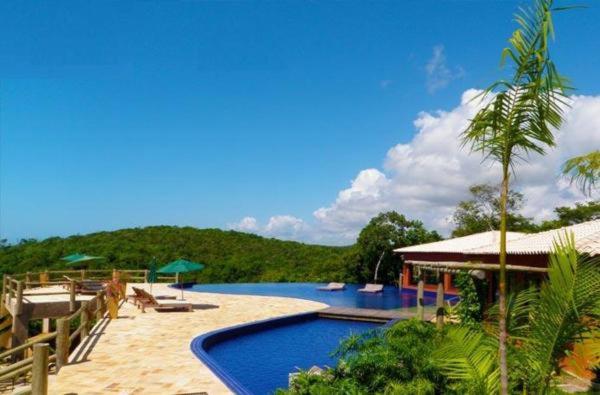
38	365
34	358
15	286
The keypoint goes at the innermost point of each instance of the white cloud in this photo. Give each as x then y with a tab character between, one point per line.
246	224
425	178
279	226
439	74
285	226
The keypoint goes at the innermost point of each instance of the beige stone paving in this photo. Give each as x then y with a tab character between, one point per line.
150	353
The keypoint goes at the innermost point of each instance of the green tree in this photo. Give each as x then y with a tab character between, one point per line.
481	213
518	116
382	235
584	170
582	212
229	256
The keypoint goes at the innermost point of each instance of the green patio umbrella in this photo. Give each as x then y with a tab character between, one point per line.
181	266
78	258
152	275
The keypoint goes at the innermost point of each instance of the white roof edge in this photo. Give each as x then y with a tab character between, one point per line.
460	244
587	239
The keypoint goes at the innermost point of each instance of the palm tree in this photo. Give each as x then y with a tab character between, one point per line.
517	118
584	170
545	323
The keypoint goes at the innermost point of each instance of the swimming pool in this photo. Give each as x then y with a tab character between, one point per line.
390	298
257	358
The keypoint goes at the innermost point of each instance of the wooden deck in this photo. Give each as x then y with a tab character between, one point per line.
47	302
372	315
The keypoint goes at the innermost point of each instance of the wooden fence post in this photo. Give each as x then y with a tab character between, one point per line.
39	374
3	305
72	296
99	308
46	325
145	276
82	274
27	279
19	302
420	291
103	303
439	303
62	342
85	320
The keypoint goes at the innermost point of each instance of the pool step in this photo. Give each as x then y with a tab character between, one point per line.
370	315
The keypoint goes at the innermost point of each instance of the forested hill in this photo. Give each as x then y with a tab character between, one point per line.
229	256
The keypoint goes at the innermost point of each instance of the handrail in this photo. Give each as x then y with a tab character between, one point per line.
37	364
75	333
6	374
25	346
77	313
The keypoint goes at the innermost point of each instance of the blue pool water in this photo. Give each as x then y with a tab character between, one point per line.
390	298
261	360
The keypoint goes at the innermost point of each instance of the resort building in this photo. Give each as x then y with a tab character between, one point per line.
527	258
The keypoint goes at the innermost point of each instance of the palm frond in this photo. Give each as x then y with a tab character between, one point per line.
521	115
469	357
567	308
584	170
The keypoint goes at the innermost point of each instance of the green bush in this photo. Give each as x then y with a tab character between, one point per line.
397	360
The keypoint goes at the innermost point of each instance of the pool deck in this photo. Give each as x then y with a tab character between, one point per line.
149	353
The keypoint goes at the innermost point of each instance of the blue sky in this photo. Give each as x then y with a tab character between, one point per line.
122	114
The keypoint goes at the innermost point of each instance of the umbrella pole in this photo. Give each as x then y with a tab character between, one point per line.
181	285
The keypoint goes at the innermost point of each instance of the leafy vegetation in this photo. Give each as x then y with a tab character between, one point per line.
472	298
393	361
229	256
376	242
543	324
481	213
413	357
584	170
581	212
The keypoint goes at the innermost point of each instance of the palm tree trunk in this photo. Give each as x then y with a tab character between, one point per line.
502	283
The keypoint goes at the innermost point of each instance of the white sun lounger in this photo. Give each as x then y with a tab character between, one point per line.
372	288
333	287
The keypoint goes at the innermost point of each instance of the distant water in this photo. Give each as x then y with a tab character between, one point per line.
390	298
